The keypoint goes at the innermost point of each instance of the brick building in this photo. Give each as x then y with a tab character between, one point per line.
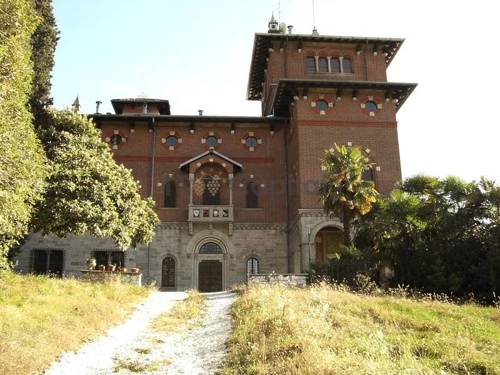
238	195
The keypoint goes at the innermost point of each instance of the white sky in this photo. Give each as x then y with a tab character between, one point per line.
178	51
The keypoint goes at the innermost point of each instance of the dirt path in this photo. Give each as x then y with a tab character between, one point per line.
133	348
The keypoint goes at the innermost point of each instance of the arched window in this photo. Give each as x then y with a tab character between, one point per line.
210	248
211	192
252	266
322	65
170	193
310	64
347	65
168	272
335	64
252	195
368	175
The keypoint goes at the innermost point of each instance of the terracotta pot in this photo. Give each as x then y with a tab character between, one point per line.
123	269
134	270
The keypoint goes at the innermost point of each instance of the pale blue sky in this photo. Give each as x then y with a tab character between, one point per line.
197	54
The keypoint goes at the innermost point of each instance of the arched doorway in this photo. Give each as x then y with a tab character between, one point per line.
168	272
210	267
327	244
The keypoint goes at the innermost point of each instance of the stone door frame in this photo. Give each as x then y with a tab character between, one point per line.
194	246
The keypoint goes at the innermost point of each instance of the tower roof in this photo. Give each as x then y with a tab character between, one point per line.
264	41
288	88
163	105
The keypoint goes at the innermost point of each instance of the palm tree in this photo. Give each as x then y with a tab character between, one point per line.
344	192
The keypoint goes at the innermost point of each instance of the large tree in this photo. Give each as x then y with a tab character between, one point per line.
439	235
43	41
21	157
344	192
87	192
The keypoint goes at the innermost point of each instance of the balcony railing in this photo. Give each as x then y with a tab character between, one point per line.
217	213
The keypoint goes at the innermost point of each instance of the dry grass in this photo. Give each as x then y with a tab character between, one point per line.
41	317
323	330
184	314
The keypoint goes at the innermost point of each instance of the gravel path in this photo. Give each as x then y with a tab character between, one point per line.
201	350
96	357
133	348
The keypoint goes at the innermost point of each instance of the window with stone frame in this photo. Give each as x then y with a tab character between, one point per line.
252	266
108	257
48	262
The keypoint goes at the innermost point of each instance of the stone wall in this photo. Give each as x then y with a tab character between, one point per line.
264	241
296	280
103	276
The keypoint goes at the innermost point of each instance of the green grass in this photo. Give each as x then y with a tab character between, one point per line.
41	317
184	314
324	330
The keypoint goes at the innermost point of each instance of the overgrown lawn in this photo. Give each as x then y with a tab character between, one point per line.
40	317
184	314
326	330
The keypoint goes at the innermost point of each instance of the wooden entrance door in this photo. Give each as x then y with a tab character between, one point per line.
210	276
168	273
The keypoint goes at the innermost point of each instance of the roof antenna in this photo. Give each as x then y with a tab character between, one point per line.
315	31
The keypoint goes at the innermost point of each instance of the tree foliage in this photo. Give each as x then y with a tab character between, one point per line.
439	235
43	42
344	192
21	156
87	192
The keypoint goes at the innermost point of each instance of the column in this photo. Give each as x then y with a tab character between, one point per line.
341	61
231	179
191	183
316	62
329	58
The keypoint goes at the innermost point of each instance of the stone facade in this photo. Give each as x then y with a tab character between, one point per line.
238	195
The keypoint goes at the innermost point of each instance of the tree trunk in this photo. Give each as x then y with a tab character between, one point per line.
346	221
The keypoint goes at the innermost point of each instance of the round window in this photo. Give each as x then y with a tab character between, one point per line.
212	141
251	142
371	106
171	140
116	139
322	105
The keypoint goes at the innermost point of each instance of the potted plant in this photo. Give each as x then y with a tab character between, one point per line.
91	263
110	267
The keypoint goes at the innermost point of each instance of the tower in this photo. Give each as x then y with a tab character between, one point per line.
76	105
331	90
273	26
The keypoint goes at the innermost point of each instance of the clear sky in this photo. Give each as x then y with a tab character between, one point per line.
196	53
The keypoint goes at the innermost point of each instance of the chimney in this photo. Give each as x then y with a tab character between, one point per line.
97	104
290	28
200	112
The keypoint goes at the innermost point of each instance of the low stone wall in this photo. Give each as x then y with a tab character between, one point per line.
296	280
102	276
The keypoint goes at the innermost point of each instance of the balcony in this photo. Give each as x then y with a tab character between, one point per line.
211	214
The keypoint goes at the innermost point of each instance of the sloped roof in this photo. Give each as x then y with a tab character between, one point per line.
210	152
